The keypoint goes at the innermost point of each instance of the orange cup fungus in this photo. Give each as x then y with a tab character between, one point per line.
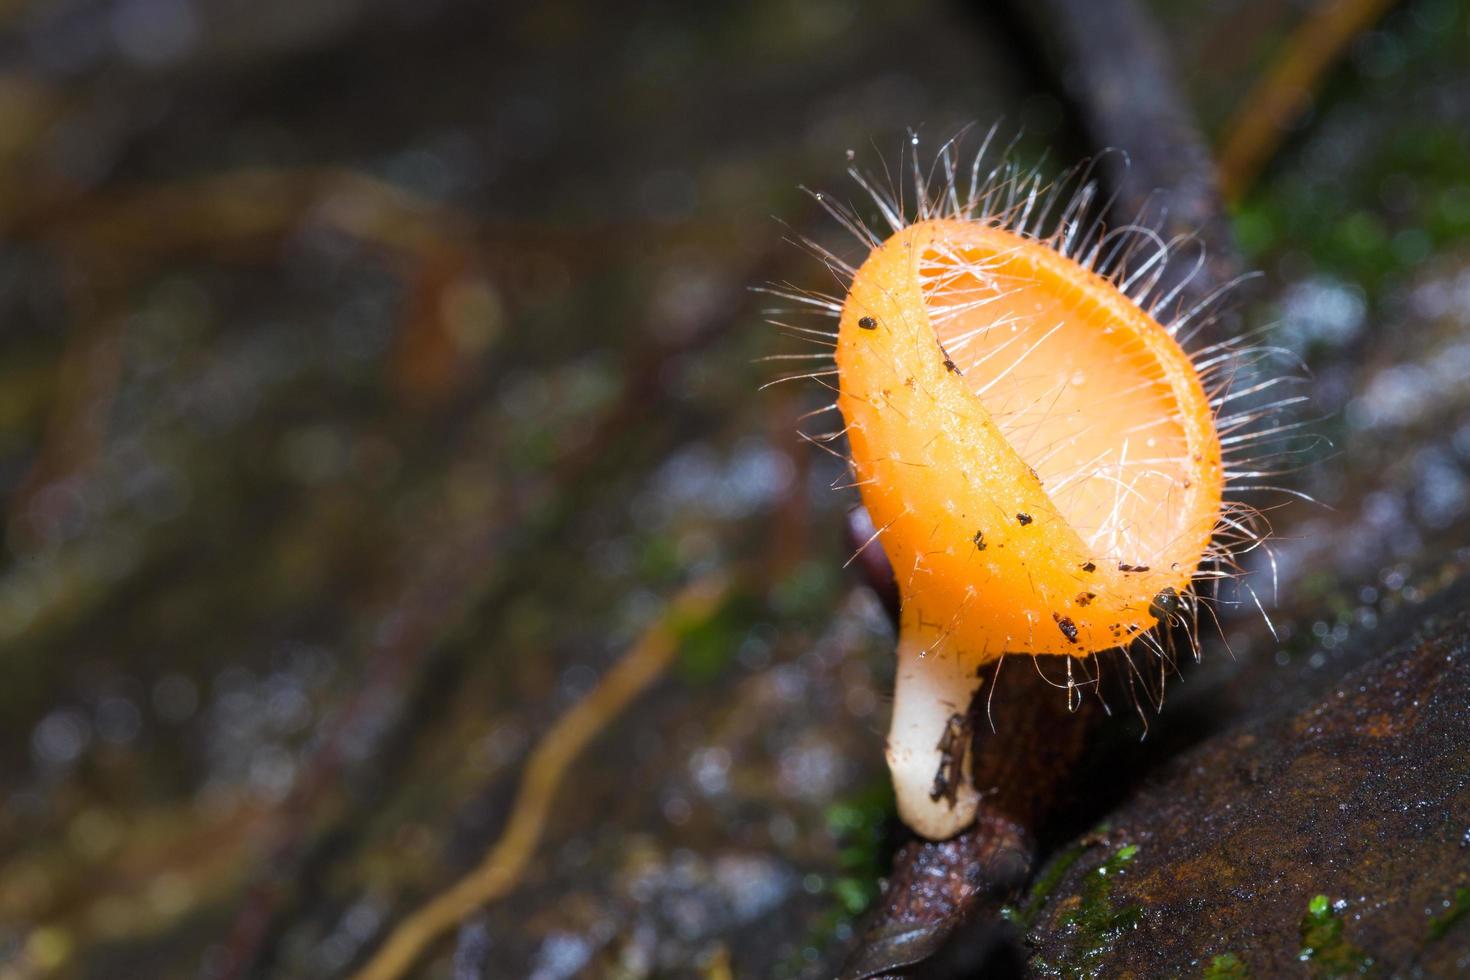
1039	455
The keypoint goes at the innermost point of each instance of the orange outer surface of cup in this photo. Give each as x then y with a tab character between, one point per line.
935	470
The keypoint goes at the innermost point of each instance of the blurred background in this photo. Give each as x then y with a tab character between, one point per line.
375	373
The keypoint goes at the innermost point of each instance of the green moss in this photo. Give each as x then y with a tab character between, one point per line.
858	826
658	559
708	641
854	895
1092	922
1456	910
1257	228
1325	949
807	592
1024	916
861	814
1226	966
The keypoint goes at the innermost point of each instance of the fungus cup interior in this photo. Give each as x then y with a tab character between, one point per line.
1040	458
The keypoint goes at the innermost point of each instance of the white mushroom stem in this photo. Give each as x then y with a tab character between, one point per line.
929	741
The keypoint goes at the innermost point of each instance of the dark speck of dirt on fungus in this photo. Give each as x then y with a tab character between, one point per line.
1165	605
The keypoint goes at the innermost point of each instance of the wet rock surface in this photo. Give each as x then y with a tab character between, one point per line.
1362	796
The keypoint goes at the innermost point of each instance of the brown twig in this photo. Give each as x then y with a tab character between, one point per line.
1111	63
1285	91
503	864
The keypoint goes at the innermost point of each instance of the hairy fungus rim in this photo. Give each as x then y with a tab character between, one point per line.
1077	286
